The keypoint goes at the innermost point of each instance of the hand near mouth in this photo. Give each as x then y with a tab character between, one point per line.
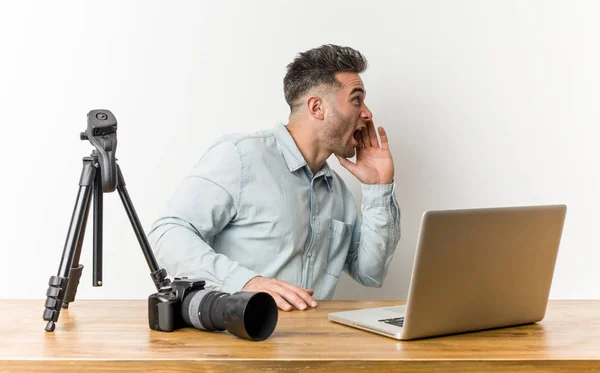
374	163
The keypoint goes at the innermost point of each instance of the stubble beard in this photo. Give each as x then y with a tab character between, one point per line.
335	133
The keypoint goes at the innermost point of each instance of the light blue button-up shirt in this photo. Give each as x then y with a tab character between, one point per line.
251	206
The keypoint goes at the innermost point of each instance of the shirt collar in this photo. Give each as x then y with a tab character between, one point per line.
328	175
288	148
294	158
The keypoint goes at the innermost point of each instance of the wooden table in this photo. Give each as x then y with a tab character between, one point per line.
103	336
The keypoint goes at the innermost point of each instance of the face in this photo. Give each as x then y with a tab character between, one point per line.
346	116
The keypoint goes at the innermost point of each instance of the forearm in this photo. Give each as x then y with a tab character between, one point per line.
379	232
183	252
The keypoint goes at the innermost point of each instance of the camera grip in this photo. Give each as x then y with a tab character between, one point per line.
163	310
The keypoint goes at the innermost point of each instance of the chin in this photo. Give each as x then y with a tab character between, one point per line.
349	154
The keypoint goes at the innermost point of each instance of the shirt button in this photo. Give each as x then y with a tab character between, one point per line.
309	255
313	218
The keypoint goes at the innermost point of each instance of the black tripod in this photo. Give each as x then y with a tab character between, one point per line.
101	174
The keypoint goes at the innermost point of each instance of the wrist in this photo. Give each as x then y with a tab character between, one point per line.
251	281
381	182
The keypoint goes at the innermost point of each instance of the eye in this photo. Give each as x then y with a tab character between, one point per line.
356	100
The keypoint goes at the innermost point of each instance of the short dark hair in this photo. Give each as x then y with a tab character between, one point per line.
318	66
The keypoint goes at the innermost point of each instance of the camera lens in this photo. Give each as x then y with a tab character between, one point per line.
244	314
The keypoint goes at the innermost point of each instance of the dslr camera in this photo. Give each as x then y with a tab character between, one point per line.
249	315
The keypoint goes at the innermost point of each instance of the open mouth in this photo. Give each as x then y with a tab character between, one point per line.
357	135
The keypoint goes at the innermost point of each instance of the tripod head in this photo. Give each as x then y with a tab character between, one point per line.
102	133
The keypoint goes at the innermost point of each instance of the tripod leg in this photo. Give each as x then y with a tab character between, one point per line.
158	274
76	268
97	254
58	284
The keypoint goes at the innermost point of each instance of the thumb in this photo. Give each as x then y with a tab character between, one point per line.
348	165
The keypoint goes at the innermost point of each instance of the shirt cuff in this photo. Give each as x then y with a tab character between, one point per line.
237	279
377	194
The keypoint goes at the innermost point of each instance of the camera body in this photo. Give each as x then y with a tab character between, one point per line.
164	308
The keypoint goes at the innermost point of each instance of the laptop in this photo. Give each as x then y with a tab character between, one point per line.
474	269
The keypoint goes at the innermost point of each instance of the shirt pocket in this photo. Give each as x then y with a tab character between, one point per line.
340	235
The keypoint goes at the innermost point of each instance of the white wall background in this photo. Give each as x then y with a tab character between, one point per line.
487	103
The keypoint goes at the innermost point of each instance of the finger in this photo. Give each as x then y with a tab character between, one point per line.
348	165
292	298
364	138
302	293
279	301
372	135
384	139
311	292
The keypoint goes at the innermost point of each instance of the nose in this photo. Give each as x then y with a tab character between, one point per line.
366	114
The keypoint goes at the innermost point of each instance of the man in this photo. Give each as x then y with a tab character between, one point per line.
264	212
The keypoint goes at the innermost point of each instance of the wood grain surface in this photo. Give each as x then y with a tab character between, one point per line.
102	336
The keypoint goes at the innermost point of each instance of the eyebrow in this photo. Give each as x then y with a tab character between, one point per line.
357	90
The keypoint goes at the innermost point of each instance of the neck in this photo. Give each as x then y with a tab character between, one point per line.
306	136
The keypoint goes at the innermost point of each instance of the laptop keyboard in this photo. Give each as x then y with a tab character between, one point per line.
397	321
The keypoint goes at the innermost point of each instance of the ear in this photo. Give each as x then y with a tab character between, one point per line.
315	106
